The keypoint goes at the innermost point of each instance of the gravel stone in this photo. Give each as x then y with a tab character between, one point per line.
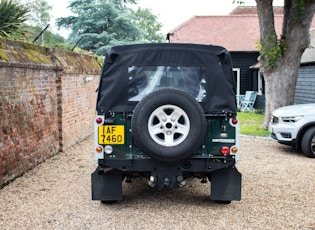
278	193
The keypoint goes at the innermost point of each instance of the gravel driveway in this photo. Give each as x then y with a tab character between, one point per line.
278	193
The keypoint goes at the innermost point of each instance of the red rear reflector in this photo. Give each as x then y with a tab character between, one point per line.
99	120
225	150
234	121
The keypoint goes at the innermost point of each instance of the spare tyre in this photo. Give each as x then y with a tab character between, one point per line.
168	125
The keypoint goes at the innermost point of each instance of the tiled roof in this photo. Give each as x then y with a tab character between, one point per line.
235	32
253	10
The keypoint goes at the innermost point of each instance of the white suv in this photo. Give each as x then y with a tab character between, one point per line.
295	125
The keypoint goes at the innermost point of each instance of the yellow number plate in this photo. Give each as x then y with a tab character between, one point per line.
111	135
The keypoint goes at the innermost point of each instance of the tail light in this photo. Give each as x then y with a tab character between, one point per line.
234	121
99	120
225	150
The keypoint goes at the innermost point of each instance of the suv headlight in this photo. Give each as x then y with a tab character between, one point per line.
291	119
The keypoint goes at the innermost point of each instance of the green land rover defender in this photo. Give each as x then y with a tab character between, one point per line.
166	112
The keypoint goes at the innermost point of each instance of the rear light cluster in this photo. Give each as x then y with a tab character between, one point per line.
99	121
225	150
100	149
107	149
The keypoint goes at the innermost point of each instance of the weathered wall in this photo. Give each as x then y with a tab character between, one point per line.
47	103
78	81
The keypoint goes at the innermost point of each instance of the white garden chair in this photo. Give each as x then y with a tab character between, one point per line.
247	104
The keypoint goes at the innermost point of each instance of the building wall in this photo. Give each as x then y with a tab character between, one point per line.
47	103
305	85
244	60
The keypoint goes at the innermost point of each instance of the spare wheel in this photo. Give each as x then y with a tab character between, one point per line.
168	125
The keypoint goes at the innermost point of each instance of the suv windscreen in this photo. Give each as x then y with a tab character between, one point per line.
146	79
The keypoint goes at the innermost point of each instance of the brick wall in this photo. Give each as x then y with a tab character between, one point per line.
78	82
47	103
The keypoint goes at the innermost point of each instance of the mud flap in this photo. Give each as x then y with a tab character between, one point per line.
226	184
106	186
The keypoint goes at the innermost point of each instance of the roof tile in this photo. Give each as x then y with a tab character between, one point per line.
235	32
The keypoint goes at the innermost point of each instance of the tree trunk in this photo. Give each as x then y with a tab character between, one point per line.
279	89
280	79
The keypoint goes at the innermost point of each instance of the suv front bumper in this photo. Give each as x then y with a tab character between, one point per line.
283	133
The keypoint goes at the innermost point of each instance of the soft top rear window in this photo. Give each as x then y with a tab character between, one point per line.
146	79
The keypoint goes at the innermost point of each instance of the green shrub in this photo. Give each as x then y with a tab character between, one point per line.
13	15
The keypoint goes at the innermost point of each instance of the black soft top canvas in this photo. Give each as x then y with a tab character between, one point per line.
121	63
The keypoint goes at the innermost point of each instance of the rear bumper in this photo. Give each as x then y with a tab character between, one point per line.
200	165
226	182
225	179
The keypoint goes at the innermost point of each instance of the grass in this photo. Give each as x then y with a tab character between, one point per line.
251	124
